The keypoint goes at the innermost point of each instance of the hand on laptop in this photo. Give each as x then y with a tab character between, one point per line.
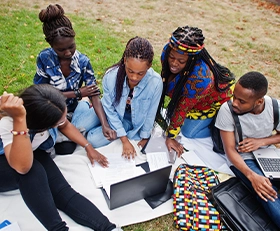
263	187
175	145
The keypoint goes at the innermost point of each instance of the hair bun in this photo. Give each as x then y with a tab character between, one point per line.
52	12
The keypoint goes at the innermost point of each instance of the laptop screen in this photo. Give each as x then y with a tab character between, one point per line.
137	188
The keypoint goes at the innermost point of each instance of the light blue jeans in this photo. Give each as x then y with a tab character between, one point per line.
196	128
84	117
272	208
97	139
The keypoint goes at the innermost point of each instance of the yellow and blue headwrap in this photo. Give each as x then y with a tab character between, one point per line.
183	48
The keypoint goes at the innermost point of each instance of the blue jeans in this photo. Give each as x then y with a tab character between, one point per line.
272	208
84	117
44	190
196	128
97	139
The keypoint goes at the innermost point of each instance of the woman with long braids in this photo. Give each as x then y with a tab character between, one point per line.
68	70
196	85
28	129
131	95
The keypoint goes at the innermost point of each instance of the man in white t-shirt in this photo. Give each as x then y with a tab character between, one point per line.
255	112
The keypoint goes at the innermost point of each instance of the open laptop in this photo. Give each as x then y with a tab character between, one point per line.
137	188
157	144
269	161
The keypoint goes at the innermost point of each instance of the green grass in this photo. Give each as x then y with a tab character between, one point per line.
22	39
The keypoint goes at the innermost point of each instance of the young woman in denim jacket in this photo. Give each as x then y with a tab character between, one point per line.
27	131
131	93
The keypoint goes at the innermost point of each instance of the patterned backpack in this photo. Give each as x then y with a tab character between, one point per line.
192	209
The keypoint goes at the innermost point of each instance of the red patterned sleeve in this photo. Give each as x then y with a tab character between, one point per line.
178	118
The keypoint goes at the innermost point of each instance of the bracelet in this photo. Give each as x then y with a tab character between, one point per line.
78	94
87	144
20	133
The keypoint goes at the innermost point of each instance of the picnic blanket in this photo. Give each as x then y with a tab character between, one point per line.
75	169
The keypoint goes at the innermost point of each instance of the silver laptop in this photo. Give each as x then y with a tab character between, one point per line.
269	161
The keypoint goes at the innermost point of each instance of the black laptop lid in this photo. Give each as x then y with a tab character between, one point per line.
137	188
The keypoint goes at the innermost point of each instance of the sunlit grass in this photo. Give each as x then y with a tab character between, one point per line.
22	39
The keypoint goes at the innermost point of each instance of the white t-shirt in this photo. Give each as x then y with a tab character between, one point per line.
253	126
6	125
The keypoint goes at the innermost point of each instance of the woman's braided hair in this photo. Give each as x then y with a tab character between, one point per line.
136	47
55	23
189	40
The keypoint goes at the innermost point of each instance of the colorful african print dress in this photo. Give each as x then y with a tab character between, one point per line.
200	100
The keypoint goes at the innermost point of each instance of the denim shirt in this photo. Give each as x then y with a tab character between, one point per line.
47	144
49	71
144	104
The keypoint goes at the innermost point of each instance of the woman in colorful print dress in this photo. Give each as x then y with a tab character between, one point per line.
195	84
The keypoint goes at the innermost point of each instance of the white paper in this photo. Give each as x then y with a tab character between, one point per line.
119	168
157	160
192	158
12	227
136	172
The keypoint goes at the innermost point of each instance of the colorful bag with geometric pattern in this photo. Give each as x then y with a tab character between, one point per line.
192	209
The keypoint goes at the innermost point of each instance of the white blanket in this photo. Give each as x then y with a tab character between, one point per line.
75	169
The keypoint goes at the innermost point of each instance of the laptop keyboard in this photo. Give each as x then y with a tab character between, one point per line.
270	164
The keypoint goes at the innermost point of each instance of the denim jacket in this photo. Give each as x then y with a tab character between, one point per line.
144	104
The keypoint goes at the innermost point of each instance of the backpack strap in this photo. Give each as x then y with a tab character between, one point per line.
236	121
275	112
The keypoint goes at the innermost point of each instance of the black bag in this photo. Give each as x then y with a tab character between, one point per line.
215	132
239	208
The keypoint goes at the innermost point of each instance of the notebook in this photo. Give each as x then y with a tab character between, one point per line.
137	188
269	161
